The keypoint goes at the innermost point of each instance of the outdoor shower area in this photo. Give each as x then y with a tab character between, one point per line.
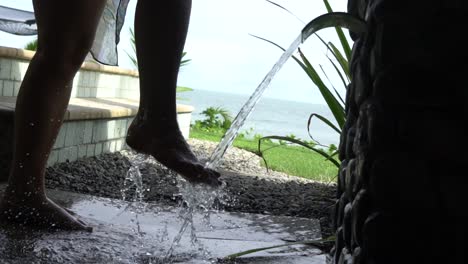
126	228
399	191
104	102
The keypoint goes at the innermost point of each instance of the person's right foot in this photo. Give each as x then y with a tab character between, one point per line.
39	213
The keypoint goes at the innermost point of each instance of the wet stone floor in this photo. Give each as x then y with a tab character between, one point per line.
143	233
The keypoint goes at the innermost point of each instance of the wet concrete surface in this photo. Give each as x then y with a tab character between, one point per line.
142	233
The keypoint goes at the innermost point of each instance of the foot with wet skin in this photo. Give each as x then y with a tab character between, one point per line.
40	213
169	147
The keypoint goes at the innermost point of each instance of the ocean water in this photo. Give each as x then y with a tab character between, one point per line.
270	116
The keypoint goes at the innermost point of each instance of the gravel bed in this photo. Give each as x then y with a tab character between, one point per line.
249	187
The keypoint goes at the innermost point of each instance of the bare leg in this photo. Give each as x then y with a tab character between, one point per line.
160	31
66	33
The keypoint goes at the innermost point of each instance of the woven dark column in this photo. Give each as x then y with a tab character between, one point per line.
401	187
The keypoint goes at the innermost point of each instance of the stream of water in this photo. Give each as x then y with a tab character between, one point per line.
249	106
197	196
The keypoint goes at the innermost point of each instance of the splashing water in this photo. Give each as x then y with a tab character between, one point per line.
199	196
195	197
134	180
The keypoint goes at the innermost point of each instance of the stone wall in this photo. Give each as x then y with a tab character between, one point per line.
103	104
92	80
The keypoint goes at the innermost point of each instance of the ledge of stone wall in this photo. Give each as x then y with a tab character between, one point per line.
93	80
94	108
20	54
92	126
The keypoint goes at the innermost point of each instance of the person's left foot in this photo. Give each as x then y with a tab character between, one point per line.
170	149
40	213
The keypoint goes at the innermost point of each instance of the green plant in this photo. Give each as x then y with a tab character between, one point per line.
329	93
332	149
333	100
245	133
32	45
132	56
217	119
306	164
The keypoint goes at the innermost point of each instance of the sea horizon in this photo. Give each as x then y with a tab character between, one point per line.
271	116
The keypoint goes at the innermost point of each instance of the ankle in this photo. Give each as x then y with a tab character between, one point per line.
154	127
160	118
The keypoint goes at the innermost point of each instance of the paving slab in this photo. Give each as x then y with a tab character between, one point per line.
143	233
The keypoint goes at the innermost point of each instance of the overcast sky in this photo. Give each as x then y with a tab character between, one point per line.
225	57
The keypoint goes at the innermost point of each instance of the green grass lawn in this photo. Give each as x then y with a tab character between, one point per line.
290	159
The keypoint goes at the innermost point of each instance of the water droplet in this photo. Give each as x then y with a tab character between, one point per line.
27	154
31	124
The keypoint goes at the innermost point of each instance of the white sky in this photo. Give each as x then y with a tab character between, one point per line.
225	57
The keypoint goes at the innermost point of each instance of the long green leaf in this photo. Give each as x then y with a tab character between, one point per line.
334	89
181	89
335	19
335	107
326	76
333	63
324	120
132	56
300	143
317	243
285	9
345	84
337	94
335	153
341	60
343	40
183	61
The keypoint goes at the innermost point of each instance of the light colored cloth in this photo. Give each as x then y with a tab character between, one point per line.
104	49
17	22
107	37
